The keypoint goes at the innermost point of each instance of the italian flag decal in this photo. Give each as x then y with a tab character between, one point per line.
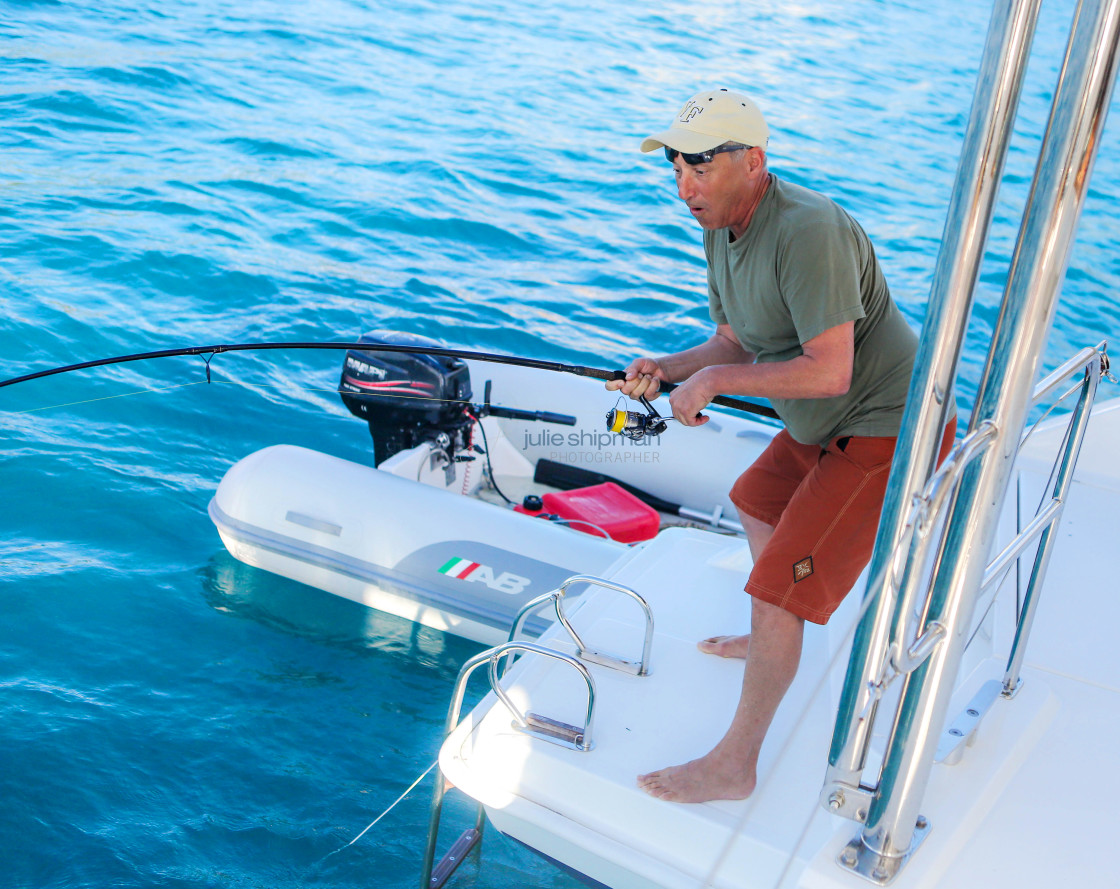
459	568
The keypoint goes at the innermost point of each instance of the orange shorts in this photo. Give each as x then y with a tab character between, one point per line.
824	505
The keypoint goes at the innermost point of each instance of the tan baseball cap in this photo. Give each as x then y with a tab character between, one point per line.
710	119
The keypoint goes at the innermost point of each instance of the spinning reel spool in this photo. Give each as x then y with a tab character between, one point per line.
634	424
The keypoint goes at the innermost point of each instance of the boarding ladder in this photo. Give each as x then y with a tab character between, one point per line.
499	660
930	565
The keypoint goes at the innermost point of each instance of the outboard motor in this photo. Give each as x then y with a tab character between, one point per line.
407	398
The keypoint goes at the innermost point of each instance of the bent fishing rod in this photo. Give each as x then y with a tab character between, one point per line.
462	354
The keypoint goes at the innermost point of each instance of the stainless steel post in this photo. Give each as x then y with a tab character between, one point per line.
999	83
1053	208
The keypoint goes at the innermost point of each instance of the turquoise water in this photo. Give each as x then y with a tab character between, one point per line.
184	173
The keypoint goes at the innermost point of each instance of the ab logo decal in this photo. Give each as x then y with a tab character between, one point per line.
465	569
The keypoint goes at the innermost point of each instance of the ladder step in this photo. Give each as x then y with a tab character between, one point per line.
454	857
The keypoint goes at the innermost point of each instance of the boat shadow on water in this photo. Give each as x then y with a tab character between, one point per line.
294	608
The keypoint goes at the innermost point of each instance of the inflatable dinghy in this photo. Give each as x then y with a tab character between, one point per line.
472	510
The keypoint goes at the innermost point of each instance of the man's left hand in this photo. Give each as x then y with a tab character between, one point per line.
689	398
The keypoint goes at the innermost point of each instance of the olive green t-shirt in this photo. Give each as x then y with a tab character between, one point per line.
802	267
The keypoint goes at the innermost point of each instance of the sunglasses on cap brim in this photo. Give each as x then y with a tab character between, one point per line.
702	157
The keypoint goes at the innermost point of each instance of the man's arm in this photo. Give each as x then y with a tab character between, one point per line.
644	374
823	370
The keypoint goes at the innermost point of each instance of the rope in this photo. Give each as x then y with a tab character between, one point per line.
392	806
470	463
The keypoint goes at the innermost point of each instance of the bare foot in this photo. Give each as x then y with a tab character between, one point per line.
726	646
708	778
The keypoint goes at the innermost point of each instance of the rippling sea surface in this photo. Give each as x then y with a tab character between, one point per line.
187	173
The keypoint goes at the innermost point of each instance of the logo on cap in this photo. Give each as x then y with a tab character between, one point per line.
689	111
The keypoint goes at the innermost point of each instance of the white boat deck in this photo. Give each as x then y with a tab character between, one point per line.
1028	805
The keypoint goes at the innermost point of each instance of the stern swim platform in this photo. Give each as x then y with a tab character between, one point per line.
988	791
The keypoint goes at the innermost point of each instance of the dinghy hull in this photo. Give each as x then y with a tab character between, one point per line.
449	562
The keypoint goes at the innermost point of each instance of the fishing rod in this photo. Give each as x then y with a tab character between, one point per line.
556	367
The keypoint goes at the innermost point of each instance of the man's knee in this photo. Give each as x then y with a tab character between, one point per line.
758	533
765	615
777	636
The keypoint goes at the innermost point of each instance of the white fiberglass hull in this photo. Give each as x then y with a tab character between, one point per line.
1027	803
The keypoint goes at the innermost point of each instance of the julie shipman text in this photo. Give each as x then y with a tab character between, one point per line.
594	447
586	439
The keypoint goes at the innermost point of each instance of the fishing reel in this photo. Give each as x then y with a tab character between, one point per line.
635	425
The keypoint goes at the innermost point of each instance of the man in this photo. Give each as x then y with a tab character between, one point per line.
803	318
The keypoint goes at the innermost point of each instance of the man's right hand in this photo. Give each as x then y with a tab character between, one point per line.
643	377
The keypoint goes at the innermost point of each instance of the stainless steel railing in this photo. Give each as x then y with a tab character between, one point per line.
1049	513
433	876
988	134
887	636
914	640
558	596
499	660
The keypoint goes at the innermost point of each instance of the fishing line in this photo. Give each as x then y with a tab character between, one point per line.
323	390
49	407
1057	403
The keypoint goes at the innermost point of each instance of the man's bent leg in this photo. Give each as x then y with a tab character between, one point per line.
758	535
729	771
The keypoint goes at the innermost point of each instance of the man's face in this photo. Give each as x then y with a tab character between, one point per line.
719	194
